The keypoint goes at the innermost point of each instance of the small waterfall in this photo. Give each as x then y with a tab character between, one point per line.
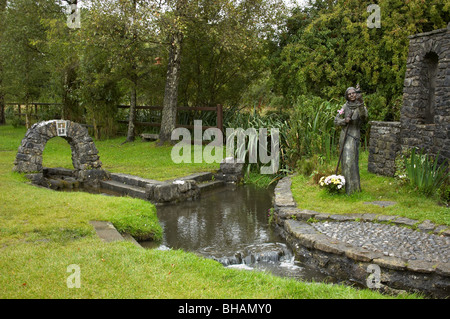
257	253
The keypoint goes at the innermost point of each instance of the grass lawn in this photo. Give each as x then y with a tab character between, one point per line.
409	203
42	232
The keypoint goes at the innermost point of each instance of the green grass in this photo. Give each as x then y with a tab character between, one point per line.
122	270
144	159
409	203
42	232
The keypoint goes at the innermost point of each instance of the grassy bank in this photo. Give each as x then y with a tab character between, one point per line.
42	232
409	203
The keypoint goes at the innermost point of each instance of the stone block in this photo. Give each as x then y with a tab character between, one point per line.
420	266
361	254
330	246
165	192
426	226
390	262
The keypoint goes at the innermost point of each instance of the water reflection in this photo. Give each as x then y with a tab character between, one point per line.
223	220
231	226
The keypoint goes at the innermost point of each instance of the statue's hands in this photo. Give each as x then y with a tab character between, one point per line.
347	120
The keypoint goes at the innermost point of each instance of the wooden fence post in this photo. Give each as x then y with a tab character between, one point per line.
220	117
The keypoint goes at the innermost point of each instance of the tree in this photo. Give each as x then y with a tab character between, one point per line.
174	26
60	46
329	46
126	30
224	53
232	30
2	95
24	61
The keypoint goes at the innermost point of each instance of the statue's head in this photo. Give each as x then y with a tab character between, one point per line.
350	94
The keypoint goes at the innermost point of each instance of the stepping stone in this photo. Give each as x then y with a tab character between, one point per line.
106	231
130	190
210	185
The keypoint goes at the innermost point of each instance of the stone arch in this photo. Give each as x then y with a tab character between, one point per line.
430	56
84	152
429	74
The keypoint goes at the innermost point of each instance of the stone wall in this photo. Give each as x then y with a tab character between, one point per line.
349	263
85	159
425	114
383	147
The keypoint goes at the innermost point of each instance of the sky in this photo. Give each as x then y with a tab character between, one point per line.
292	3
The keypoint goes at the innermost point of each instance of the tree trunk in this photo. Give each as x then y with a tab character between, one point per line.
169	112
132	115
2	97
2	109
71	110
27	116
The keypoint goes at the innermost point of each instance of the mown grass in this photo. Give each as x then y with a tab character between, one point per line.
144	159
409	203
42	232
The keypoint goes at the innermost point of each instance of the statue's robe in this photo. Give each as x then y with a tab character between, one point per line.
350	150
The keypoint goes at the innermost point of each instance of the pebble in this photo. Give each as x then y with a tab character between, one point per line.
391	240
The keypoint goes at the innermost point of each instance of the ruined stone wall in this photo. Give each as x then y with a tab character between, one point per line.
425	114
384	145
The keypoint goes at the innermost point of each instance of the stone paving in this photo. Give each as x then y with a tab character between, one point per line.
392	236
413	255
391	240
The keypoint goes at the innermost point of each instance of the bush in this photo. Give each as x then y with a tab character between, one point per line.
311	131
424	173
444	192
308	136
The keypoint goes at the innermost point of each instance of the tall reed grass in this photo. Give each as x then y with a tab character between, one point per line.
306	131
424	173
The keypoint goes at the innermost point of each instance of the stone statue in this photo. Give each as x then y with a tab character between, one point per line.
350	118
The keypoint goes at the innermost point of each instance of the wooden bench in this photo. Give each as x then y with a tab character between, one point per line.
149	137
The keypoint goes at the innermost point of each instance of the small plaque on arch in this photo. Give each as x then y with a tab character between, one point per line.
61	128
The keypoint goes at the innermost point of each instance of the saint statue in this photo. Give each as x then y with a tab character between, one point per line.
350	118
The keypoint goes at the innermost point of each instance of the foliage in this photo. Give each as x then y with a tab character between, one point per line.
424	173
308	137
248	124
444	192
409	203
24	62
311	130
224	50
326	47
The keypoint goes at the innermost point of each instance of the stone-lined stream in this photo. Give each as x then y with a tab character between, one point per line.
230	225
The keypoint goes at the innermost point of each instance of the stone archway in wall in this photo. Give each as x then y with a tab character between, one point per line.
84	152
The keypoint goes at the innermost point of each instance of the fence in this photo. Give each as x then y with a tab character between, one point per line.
218	109
34	107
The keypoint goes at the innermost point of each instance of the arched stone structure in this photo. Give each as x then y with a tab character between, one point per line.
84	153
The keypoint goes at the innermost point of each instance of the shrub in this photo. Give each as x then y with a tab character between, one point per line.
444	192
424	173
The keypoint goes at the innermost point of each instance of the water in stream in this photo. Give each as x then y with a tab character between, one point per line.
230	225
